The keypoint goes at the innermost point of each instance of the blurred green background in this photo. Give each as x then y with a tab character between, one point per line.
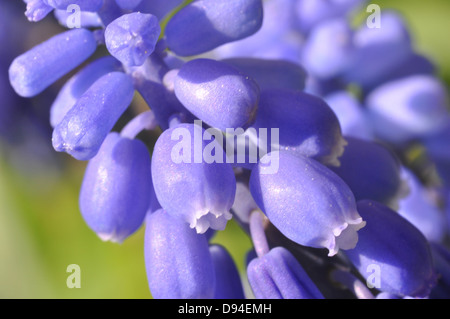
42	232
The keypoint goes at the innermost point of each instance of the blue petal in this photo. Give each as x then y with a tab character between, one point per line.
177	259
278	275
393	249
115	193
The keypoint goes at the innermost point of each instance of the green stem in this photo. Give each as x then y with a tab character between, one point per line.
169	16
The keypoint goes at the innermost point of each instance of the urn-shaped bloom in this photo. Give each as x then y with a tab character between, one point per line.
392	254
298	122
191	177
278	275
217	93
116	190
177	259
307	202
85	126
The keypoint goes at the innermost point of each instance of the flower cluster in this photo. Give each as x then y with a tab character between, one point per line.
280	114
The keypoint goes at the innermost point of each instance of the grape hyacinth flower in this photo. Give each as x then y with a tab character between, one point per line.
340	116
76	86
132	37
217	93
372	172
32	72
307	125
178	262
228	281
308	203
209	27
86	125
196	188
115	193
399	252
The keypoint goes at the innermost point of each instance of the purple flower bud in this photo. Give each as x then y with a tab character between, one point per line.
371	171
270	73
328	49
190	181
205	24
86	124
420	108
441	258
278	26
307	202
38	68
243	204
78	85
132	37
159	8
85	5
352	116
177	259
278	275
116	189
306	125
420	210
217	93
393	252
128	4
312	12
87	19
37	10
391	41
228	281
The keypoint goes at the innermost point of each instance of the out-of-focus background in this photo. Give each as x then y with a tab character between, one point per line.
41	229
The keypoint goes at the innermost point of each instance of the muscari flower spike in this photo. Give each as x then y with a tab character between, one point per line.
177	259
198	190
116	189
307	202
